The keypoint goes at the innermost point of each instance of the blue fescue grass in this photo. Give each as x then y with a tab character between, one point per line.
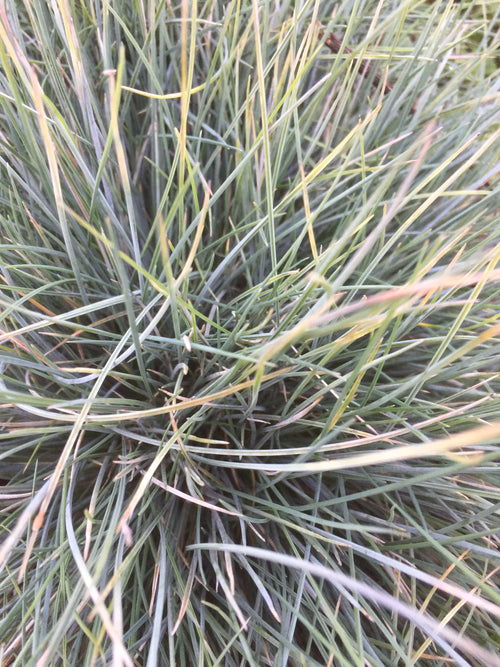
249	336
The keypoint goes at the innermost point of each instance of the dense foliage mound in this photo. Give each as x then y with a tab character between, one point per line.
250	333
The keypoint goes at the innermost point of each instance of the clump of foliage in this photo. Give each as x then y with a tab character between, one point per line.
250	333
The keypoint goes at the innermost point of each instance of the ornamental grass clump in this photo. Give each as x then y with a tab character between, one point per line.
250	333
